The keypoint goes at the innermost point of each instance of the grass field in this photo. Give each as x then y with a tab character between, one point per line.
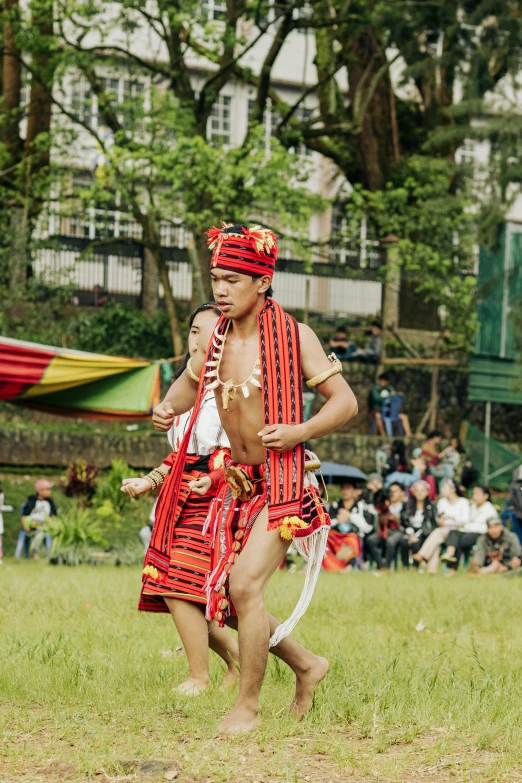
86	684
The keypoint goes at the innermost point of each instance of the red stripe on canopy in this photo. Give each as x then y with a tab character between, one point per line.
21	367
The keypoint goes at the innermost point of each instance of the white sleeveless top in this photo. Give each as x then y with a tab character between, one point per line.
207	434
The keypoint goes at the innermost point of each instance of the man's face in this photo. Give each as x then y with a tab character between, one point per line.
235	294
44	491
396	494
376	330
383	382
348	492
436	439
340	335
495	531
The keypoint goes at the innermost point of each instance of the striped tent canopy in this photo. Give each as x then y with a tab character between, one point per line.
77	383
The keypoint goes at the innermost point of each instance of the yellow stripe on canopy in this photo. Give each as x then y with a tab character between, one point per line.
69	370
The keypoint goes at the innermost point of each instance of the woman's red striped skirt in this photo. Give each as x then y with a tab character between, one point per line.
189	556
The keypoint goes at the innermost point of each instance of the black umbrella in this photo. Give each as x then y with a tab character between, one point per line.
335	473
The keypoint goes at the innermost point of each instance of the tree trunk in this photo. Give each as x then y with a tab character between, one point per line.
149	283
170	304
40	101
19	227
11	82
376	147
199	296
203	258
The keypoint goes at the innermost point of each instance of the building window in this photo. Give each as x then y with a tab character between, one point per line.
214	9
81	100
219	120
303	115
466	153
354	244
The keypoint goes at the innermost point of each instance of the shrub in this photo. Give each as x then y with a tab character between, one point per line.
80	480
109	492
74	535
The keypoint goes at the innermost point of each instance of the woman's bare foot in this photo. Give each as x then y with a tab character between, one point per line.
241	720
192	686
305	686
230	679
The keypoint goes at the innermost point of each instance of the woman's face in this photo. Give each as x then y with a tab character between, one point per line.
478	496
447	491
419	491
201	320
454	443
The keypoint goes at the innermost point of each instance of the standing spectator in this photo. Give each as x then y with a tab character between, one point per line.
460	542
350	523
373	351
419	521
454	457
36	510
2	509
387	539
377	398
513	506
497	551
452	513
341	345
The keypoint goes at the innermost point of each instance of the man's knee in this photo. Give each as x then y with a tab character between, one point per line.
244	590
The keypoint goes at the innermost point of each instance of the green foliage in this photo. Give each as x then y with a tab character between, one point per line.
122	331
420	206
109	495
74	534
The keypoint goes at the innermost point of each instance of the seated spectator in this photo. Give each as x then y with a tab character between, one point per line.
430	449
350	523
341	345
497	551
419	521
421	470
512	511
469	475
35	512
373	351
383	544
452	513
2	509
461	542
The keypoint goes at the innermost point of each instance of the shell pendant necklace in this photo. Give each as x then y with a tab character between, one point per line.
230	388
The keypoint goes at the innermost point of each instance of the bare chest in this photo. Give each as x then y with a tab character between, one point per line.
239	374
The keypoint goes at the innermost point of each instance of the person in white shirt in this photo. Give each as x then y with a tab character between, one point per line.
453	513
462	541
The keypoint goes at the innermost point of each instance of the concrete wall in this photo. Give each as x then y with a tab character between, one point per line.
41	447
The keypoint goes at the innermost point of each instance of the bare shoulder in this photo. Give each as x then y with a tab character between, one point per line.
307	335
204	336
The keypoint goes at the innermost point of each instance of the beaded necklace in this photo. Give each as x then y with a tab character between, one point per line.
230	387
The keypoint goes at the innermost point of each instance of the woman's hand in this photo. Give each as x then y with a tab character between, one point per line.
135	486
201	486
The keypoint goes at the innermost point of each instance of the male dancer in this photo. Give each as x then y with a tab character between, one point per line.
260	413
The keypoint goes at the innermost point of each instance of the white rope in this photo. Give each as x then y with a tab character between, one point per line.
312	549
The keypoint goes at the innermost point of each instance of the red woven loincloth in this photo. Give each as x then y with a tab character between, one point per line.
231	519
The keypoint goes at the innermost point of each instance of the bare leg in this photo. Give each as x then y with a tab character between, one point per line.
223	643
405	424
248	580
379	423
192	627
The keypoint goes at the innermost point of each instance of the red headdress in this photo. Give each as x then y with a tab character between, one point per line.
250	251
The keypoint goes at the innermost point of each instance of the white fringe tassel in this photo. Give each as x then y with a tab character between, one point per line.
312	549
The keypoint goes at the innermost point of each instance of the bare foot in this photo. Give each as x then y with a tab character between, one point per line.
192	686
419	559
230	680
240	721
305	686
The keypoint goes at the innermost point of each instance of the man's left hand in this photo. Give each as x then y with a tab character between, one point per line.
282	437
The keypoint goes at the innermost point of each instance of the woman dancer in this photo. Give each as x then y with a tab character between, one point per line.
183	594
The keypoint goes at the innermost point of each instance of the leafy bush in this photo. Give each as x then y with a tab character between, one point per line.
123	331
80	480
74	535
109	492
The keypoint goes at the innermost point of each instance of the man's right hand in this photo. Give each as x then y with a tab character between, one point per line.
163	416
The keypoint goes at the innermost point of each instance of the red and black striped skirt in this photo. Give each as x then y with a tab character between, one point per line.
189	556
